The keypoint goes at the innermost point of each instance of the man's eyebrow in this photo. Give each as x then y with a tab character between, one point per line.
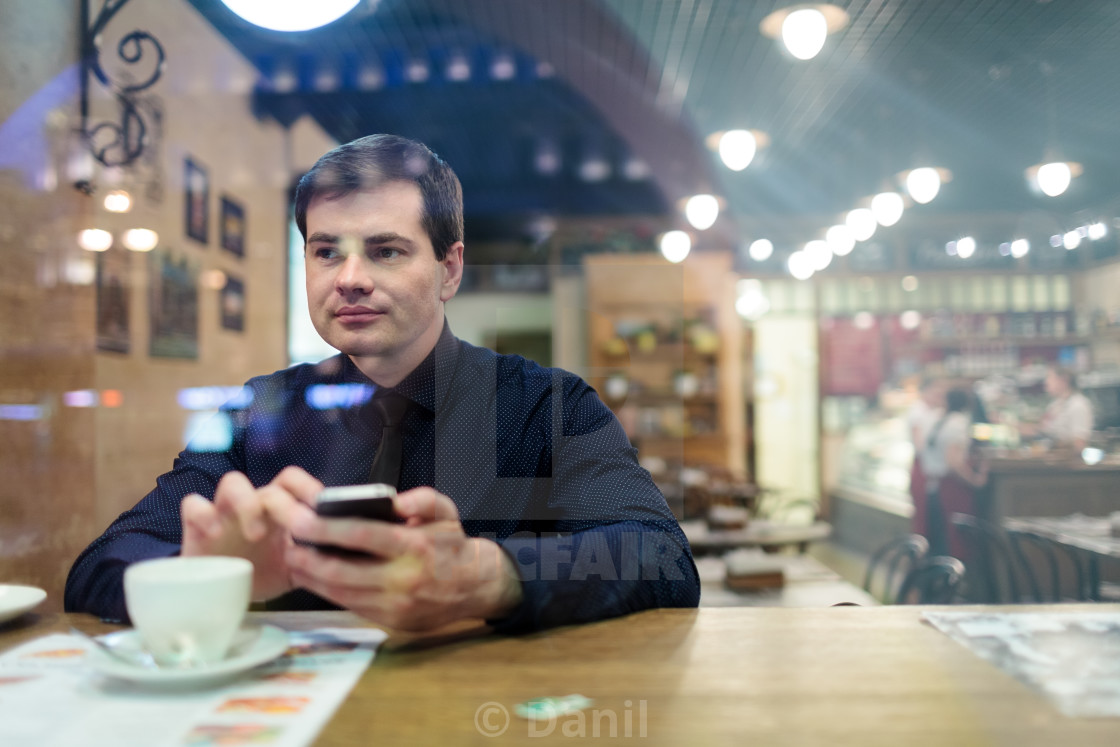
389	237
322	238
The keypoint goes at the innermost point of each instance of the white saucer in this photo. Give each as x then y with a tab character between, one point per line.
269	644
15	600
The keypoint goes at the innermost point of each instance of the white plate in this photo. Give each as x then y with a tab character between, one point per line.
269	644
15	600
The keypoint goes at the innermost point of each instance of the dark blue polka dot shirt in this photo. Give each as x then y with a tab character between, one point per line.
531	457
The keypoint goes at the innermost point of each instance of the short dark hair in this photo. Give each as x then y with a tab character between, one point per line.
373	160
957	400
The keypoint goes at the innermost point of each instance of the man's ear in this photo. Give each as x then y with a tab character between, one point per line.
452	271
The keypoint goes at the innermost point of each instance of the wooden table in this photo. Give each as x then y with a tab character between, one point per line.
758	533
837	676
808	583
1090	535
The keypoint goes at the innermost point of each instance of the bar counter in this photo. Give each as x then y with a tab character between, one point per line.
1048	485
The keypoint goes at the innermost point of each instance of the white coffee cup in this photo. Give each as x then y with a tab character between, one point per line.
188	610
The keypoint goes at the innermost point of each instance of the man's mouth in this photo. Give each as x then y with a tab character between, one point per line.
356	314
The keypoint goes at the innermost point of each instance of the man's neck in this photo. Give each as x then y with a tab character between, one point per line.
390	370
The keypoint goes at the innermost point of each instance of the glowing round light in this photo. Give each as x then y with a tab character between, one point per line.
887	208
1097	231
1054	178
819	254
701	211
910	319
966	247
594	169
214	279
118	201
751	302
862	223
140	239
1056	240
804	32
675	246
910	283
737	149
923	184
840	240
1019	248
1071	240
863	320
761	250
290	15
800	265
95	239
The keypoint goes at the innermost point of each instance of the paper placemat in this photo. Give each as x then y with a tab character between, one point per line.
50	696
1072	658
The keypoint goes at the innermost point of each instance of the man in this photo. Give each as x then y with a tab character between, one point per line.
523	502
1068	419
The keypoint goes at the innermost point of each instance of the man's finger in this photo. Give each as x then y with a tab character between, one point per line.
425	504
200	522
379	538
301	485
237	496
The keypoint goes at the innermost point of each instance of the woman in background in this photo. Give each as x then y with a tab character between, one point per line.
1068	419
951	479
920	420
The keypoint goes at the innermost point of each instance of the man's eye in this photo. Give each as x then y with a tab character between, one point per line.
326	252
388	252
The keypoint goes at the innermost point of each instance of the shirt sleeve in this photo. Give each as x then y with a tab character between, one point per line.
618	548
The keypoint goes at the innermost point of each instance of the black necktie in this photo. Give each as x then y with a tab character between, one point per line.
386	466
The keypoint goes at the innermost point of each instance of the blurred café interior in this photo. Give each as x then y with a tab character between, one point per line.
757	228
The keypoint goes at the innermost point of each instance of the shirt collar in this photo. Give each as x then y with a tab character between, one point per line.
427	384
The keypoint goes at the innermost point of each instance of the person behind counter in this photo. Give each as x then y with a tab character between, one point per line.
951	479
922	416
1068	419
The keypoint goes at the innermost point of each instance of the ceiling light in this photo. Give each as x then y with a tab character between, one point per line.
819	254
862	223
1097	231
966	247
635	169
701	211
804	28
737	148
1071	239
95	239
290	15
910	283
800	265
1053	178
751	303
863	320
923	184
910	319
594	169
840	240
887	208
503	68
675	246
140	239
118	201
458	69
1019	248
761	250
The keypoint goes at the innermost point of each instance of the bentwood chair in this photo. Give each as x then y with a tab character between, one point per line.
1052	572
891	563
993	570
935	581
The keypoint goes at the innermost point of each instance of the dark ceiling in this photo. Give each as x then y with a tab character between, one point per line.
967	84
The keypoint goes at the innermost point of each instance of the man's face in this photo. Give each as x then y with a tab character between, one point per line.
374	286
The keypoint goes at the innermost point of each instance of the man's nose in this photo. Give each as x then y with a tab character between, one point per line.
353	276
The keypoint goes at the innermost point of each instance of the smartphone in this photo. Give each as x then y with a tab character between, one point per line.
374	501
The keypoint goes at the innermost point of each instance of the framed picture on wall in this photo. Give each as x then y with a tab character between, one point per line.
113	301
233	227
232	299
173	306
196	187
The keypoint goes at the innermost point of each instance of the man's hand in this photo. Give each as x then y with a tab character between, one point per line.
236	523
423	574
